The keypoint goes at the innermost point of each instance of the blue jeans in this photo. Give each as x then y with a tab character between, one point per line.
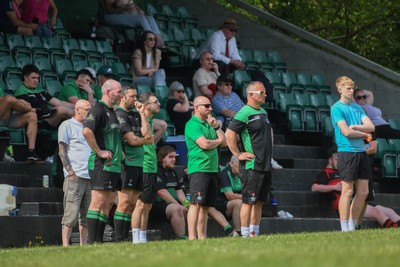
148	23
157	79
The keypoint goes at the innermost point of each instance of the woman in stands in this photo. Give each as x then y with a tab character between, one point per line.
146	62
365	99
10	19
36	11
126	12
178	107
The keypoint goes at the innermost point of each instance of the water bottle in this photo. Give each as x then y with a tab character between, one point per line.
186	203
93	32
7	199
45	181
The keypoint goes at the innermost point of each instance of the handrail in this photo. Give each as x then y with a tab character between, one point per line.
316	40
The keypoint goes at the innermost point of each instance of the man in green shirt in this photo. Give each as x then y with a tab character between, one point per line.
140	215
78	88
17	113
40	99
203	136
102	133
136	132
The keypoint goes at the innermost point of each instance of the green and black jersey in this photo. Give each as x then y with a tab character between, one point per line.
168	179
254	130
38	97
104	124
130	122
150	156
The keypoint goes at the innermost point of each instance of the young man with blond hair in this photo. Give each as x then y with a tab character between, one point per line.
351	126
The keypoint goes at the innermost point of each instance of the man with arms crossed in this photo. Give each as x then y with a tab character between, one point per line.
136	132
351	125
101	131
203	136
74	153
251	123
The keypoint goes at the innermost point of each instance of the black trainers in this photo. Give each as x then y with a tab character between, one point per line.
33	157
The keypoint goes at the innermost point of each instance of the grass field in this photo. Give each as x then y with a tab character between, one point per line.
361	248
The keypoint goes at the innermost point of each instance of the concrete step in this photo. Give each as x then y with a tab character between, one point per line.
303	163
290	152
293	179
39	194
41	208
30	169
20	180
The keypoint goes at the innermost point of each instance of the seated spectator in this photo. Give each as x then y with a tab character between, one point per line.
205	78
10	21
126	12
226	103
146	62
229	199
103	74
170	202
79	88
328	182
17	113
364	98
40	99
178	107
222	45
35	11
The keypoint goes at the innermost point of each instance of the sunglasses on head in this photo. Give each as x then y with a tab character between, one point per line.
205	105
361	97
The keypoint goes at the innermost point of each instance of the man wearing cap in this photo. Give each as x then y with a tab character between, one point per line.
178	107
78	88
104	73
206	76
226	103
222	45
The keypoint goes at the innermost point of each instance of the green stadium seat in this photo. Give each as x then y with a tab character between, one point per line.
17	45
387	157
64	69
162	93
319	102
261	58
121	72
54	49
72	49
80	64
305	80
197	36
90	48
287	104
290	81
22	61
188	20
319	81
143	89
53	87
328	129
309	112
394	123
275	59
12	85
240	79
247	58
331	99
276	80
155	11
35	45
174	59
104	47
8	67
189	93
174	19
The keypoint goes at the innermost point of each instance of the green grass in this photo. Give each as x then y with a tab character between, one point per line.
360	248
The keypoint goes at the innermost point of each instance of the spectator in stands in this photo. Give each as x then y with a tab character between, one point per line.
10	21
41	99
17	113
74	153
205	78
328	182
80	88
171	200
103	74
124	12
351	126
36	11
364	98
146	62
222	45
179	107
229	199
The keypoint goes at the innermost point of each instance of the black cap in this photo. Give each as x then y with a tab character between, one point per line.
224	78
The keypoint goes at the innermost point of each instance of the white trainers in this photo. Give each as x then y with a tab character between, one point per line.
275	165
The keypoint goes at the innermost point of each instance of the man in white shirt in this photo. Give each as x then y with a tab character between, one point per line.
205	78
222	45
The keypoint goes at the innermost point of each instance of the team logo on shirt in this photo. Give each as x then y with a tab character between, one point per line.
199	196
130	182
254	118
90	117
159	179
109	185
130	159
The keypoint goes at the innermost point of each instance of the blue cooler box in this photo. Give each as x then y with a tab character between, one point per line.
179	143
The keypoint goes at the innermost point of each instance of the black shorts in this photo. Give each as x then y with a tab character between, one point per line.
149	192
131	178
256	186
222	206
203	188
103	180
353	166
158	211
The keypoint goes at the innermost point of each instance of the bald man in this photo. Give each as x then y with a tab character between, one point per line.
203	136
74	153
252	125
102	133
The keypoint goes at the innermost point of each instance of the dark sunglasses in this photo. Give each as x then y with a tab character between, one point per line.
180	91
362	97
150	39
205	105
228	84
232	30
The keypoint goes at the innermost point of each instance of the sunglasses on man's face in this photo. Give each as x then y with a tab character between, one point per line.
205	105
361	97
232	30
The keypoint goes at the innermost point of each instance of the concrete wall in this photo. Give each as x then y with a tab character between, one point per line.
300	57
